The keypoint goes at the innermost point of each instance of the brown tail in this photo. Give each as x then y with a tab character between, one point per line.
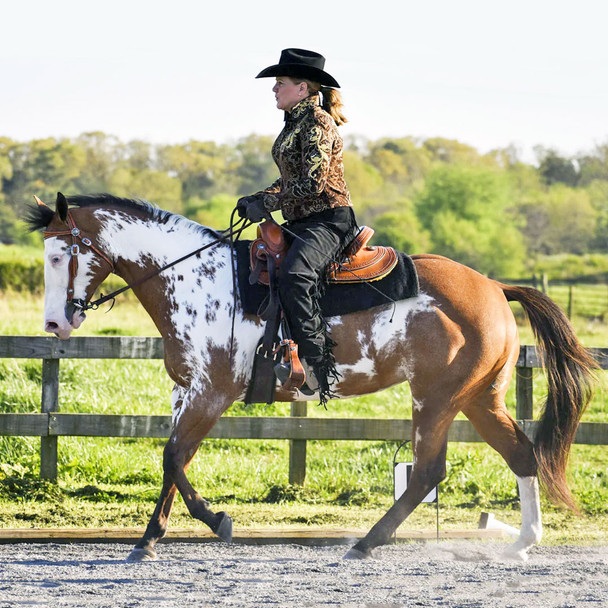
570	378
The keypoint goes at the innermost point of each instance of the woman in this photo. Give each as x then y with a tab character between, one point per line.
312	195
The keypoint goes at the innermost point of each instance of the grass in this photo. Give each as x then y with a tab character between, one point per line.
114	482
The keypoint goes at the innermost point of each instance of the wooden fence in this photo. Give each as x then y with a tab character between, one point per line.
51	424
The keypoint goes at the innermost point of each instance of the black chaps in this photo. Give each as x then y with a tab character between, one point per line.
322	238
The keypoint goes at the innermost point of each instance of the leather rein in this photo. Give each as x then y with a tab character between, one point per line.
78	241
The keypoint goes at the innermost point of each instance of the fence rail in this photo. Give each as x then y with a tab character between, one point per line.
51	424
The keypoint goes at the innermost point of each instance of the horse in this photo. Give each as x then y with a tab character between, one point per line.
456	343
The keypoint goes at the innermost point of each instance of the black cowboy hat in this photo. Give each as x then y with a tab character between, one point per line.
301	63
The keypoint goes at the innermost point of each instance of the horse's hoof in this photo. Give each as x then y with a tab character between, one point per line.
515	553
354	553
224	528
142	555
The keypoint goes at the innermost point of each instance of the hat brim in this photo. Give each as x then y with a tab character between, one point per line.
297	70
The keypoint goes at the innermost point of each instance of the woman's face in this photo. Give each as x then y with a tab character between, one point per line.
288	93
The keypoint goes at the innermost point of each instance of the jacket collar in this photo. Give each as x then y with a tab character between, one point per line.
302	107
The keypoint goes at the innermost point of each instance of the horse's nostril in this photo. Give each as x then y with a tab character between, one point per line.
51	326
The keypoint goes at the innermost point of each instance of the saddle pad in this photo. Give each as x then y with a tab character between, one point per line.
338	299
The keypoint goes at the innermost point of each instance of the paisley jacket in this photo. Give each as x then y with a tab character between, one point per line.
308	152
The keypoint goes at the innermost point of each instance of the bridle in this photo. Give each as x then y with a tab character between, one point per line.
78	241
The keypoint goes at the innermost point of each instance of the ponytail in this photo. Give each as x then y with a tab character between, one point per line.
332	99
333	104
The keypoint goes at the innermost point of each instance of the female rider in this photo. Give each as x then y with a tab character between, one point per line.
312	196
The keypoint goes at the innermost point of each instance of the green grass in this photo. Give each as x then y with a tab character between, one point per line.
115	482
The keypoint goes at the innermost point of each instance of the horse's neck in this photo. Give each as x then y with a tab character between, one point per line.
142	247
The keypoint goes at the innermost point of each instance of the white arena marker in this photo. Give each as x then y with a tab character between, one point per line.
402	472
487	521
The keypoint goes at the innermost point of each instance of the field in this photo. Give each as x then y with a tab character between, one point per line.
114	482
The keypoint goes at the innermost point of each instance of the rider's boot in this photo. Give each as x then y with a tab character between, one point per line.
316	377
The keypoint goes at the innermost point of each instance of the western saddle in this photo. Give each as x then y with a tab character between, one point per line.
363	262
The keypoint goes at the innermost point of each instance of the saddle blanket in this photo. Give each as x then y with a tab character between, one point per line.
338	299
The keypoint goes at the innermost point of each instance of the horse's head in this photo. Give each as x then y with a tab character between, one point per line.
74	266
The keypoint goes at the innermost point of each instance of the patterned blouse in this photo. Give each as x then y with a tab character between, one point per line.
308	152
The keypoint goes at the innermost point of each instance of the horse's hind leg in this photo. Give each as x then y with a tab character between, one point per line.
493	422
429	445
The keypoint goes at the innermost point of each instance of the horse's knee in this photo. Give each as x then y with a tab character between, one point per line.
173	459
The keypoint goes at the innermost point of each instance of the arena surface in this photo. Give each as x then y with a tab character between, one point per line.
464	574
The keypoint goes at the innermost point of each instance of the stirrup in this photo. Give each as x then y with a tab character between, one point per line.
289	370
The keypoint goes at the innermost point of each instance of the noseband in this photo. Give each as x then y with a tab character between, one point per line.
78	241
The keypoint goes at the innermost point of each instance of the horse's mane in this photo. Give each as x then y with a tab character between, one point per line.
39	216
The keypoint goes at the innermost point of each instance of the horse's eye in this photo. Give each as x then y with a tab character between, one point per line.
55	259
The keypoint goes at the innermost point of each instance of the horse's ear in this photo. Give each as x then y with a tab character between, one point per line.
61	207
39	202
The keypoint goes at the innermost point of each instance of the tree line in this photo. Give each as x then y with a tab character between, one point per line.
492	211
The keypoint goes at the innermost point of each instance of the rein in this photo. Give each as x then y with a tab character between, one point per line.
75	233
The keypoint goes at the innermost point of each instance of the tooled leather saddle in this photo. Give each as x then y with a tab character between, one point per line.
363	262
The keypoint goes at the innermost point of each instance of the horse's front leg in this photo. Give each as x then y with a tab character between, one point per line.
190	425
157	528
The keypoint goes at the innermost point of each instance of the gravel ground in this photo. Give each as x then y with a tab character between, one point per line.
447	574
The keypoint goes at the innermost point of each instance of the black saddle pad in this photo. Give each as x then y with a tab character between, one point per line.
401	283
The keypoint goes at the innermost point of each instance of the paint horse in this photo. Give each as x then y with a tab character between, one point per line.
456	343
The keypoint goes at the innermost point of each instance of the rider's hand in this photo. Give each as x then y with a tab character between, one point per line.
242	204
252	207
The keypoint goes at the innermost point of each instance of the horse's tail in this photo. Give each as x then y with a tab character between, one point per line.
570	378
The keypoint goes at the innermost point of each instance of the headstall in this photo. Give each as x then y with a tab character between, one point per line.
78	241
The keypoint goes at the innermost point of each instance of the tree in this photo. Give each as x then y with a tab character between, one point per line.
594	166
554	168
254	168
202	167
364	181
103	154
451	151
401	230
156	186
214	212
400	161
559	220
467	211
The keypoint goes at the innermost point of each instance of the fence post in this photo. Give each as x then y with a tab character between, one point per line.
524	391
50	403
297	449
545	283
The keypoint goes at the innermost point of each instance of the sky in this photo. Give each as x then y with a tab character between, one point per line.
489	73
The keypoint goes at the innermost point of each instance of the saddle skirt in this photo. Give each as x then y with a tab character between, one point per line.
363	263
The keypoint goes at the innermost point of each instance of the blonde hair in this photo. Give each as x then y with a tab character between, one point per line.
332	99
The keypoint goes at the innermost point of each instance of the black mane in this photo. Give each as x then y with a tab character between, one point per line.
39	216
